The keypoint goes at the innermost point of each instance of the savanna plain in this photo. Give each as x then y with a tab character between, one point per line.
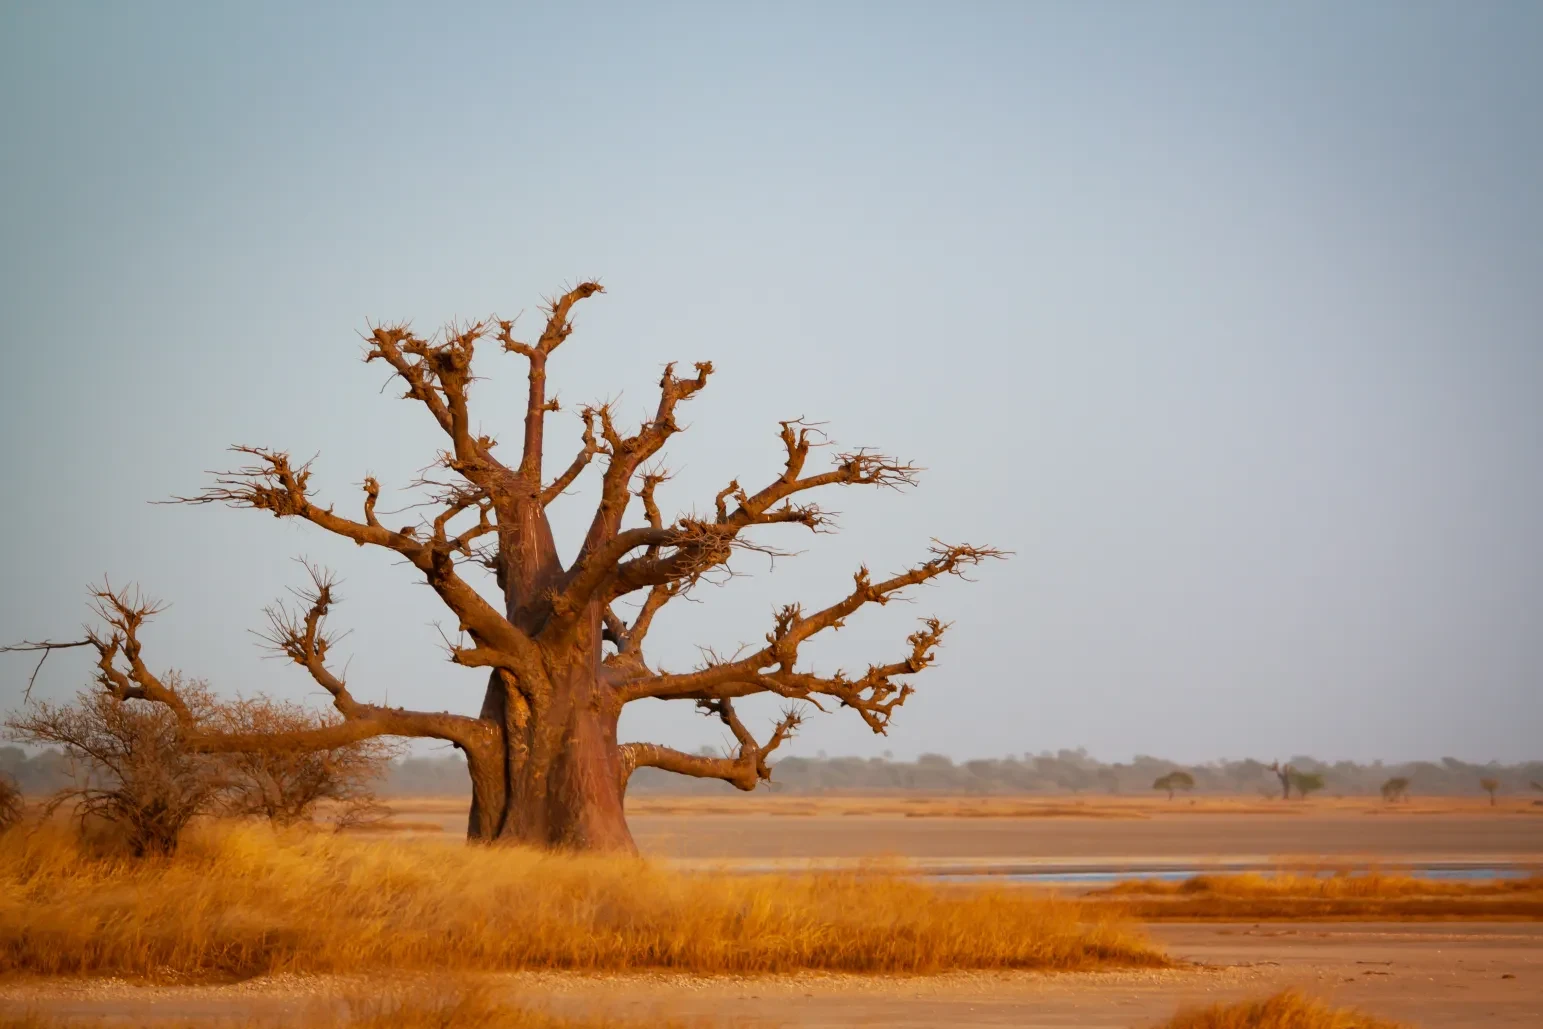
777	910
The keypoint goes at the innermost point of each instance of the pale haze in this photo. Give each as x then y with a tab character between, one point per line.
1226	319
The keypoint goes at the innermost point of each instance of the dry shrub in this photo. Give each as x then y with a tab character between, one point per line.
139	781
286	786
135	777
11	804
245	900
1338	895
1288	1010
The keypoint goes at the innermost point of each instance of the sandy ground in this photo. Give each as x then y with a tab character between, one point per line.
1089	833
1439	976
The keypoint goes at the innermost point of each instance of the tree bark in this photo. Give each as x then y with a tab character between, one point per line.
555	779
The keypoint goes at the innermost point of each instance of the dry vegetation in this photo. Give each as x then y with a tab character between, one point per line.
423	1008
1289	1010
1342	894
249	900
454	1006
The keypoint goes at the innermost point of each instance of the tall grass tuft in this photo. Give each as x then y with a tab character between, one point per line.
239	900
1288	1010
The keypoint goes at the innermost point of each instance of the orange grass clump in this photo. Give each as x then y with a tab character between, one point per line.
1288	1010
246	900
1339	895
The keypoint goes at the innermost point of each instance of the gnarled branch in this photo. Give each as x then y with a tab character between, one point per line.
773	668
745	768
559	325
275	484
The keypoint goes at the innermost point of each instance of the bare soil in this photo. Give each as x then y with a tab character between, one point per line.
1090	833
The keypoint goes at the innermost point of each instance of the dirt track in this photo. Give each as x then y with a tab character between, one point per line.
1439	976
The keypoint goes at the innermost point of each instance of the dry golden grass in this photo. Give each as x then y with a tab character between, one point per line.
242	900
449	1007
1288	1010
1251	896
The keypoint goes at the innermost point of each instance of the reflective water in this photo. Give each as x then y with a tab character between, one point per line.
1461	874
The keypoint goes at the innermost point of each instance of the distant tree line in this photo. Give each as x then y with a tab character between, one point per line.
1069	772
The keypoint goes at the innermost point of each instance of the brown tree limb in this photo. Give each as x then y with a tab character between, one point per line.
437	373
703	545
278	486
304	639
123	674
42	648
772	668
601	552
587	454
746	768
559	325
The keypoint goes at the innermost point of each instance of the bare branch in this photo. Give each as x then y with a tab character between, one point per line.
559	326
437	373
303	638
44	648
703	545
601	550
773	668
745	768
572	472
275	484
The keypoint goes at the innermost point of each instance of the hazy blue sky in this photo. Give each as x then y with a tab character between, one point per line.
1226	317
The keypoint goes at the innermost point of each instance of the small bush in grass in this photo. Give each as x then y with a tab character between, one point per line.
11	806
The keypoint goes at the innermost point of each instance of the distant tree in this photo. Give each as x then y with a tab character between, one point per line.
1284	773
1489	786
1306	782
1536	785
1396	788
1174	780
10	802
1109	779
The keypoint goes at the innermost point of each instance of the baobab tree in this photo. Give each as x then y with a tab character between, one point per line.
1284	773
564	655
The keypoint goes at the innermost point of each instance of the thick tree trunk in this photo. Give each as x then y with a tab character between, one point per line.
556	780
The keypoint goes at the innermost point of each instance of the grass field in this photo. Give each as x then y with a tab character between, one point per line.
449	1006
241	900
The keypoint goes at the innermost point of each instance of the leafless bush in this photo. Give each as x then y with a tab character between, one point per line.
284	783
133	769
10	803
